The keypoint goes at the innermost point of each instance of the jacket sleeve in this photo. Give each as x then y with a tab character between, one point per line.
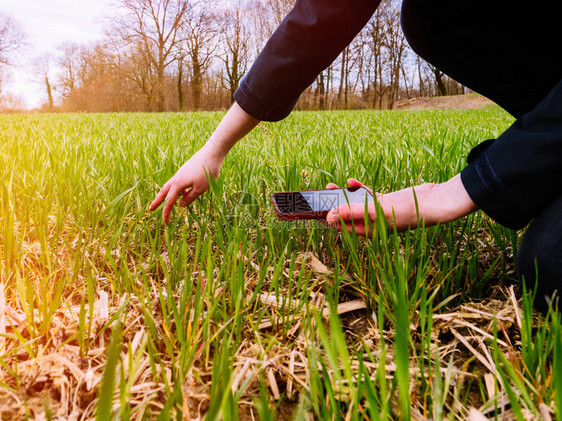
310	37
517	175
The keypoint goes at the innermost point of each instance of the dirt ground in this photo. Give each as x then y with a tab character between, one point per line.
454	102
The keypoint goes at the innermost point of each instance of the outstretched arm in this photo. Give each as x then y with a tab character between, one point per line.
444	202
307	41
190	181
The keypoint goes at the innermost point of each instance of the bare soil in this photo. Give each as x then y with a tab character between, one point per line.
453	102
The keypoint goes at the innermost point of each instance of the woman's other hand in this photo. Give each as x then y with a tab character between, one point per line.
406	208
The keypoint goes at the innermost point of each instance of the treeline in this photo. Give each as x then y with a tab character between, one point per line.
177	55
11	40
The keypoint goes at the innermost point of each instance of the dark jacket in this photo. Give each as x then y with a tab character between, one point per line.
511	178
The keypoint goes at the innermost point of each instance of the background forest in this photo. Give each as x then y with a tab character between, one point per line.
181	55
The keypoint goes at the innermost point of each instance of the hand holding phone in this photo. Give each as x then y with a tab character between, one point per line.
315	204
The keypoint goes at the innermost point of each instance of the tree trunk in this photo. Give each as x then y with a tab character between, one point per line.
49	92
329	84
196	80
406	87
420	77
160	98
234	79
346	78
320	91
441	88
180	84
342	77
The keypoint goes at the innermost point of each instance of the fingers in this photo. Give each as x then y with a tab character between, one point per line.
160	197
351	227
352	182
353	211
170	194
355	183
171	199
188	198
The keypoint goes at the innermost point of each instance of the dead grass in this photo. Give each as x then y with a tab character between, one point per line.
60	381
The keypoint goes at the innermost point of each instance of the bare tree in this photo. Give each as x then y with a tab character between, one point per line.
421	77
99	86
357	58
344	77
42	67
235	41
11	103
439	80
266	17
200	33
3	79
180	58
375	33
11	37
68	59
154	24
280	9
178	54
137	66
395	43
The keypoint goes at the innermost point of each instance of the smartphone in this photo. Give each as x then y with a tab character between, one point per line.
315	204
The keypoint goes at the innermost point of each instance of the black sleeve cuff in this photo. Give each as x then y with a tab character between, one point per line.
491	195
516	176
252	104
310	37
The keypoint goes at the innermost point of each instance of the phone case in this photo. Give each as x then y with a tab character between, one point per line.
318	215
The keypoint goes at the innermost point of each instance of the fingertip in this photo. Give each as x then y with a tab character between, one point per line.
354	183
166	212
160	197
349	212
331	186
334	216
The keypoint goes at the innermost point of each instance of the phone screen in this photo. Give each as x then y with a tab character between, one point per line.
315	204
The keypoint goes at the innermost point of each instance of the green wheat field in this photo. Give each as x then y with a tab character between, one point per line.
228	313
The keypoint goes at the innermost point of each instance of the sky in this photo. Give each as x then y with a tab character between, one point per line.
47	24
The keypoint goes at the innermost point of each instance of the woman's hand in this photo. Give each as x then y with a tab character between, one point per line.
436	203
353	212
190	181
